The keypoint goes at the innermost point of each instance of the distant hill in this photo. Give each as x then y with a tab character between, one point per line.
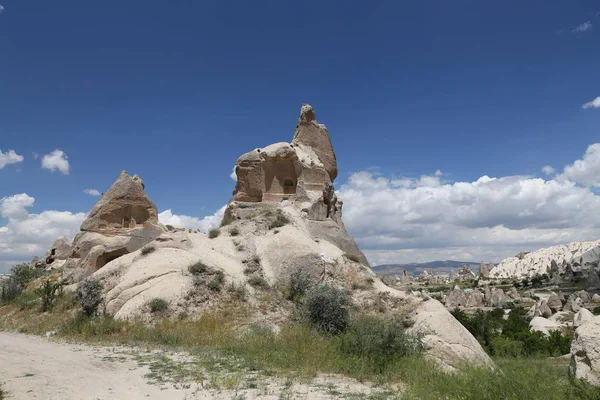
439	267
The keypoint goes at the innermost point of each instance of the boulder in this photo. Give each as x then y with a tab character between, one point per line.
447	341
585	352
596	298
497	298
455	298
544	325
583	316
554	302
513	293
543	309
60	250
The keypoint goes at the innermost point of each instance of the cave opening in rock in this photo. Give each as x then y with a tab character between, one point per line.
109	256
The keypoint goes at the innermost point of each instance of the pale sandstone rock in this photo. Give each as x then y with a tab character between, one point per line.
544	325
122	221
585	352
583	316
554	302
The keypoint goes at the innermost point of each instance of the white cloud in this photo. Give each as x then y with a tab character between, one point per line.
585	171
57	160
233	175
1	8
36	156
26	235
548	170
185	221
10	157
592	104
92	192
423	219
586	26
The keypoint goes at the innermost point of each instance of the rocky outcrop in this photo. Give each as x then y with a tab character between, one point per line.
122	221
301	172
584	315
585	352
576	256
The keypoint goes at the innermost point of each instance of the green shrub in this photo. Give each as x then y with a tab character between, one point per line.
213	233
48	293
327	309
147	250
198	268
280	220
258	282
158	305
379	342
300	282
10	290
234	231
596	310
25	273
89	296
216	283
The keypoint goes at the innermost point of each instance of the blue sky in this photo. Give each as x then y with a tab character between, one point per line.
176	91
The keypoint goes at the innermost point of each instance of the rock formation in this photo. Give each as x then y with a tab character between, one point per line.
122	221
283	221
568	259
585	352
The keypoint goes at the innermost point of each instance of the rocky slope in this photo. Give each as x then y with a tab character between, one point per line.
579	256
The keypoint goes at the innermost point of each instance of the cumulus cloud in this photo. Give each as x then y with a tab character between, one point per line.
548	170
57	160
25	235
584	27
585	171
424	219
592	104
92	192
10	157
233	175
185	221
1	8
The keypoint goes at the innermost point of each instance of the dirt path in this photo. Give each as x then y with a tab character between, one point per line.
36	368
33	367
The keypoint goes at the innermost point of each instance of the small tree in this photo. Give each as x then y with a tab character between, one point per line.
48	293
10	290
89	295
328	309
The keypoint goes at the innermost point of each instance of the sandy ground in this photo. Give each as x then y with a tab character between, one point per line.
38	368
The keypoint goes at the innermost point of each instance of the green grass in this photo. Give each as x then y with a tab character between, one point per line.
2	393
213	233
299	351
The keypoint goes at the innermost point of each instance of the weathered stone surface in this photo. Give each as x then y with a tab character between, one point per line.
60	250
543	325
123	220
543	309
311	134
554	302
596	298
448	342
513	293
497	298
124	206
584	315
302	172
585	352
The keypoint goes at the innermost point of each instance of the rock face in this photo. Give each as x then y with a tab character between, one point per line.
124	206
123	220
585	352
575	256
301	172
584	315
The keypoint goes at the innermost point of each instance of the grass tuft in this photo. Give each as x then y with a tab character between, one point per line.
213	233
